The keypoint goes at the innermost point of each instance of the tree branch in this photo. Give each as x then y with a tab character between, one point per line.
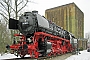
3	6
4	12
12	8
4	17
19	3
23	6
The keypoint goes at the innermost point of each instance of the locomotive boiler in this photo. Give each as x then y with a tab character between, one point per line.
39	36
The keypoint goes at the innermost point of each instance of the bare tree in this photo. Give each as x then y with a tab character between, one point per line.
4	36
9	9
12	9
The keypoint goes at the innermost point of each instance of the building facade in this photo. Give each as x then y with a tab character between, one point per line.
82	43
69	17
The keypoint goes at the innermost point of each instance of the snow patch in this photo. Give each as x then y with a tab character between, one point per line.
10	56
83	56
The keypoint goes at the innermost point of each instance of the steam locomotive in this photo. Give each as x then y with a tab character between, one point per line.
39	36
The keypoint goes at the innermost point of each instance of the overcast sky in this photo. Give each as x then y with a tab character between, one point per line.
42	5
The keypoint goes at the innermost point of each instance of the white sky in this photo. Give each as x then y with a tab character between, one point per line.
42	5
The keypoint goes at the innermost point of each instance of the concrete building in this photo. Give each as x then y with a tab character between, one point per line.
69	17
82	43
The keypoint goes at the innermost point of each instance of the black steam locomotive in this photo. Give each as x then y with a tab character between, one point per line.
39	36
32	22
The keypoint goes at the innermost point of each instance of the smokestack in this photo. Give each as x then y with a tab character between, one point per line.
34	11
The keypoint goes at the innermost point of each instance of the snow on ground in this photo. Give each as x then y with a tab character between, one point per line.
83	56
9	56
